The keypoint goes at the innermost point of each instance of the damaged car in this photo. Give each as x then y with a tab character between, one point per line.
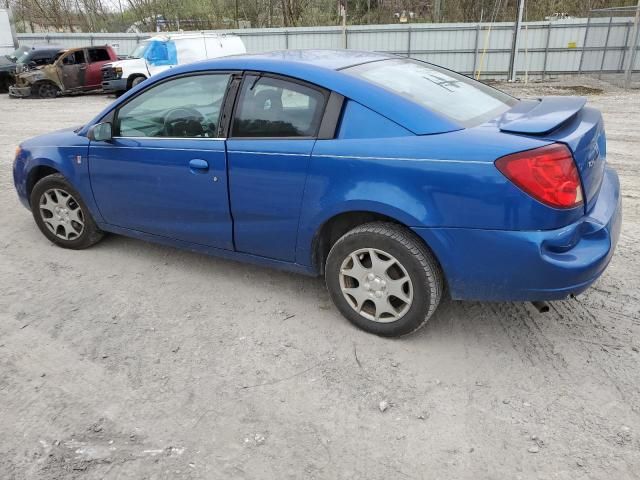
75	70
25	58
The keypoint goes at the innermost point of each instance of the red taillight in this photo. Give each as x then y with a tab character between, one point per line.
548	174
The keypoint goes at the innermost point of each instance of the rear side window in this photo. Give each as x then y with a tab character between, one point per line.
272	107
455	96
98	55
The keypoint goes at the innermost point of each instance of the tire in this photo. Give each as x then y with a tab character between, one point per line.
47	90
78	230
137	81
403	292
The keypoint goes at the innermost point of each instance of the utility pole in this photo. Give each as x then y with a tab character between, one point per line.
634	44
437	10
237	21
343	12
514	45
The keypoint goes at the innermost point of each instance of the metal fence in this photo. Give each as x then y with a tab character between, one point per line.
569	46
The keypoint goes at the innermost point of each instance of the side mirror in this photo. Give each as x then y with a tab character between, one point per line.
100	132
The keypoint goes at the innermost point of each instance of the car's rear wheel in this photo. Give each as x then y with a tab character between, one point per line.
47	90
61	215
383	279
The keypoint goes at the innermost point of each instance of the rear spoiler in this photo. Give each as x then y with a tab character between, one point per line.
536	117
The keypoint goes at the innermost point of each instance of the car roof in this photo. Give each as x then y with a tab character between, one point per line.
163	37
331	59
326	68
53	48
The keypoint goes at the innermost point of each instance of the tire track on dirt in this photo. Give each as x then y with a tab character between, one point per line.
603	348
527	337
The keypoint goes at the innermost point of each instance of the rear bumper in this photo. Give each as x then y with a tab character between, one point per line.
503	265
117	85
21	92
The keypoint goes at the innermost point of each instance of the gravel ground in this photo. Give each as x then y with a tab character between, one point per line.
136	361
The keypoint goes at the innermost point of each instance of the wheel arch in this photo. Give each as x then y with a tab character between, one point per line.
336	226
36	174
132	77
36	85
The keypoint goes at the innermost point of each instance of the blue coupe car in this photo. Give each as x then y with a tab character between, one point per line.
396	179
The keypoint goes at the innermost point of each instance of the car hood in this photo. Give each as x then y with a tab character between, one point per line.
59	138
33	75
122	63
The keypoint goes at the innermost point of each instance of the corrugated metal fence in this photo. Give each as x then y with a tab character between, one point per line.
546	48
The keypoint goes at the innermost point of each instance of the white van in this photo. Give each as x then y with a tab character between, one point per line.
161	52
8	41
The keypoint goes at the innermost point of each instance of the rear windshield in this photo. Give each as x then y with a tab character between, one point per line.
459	98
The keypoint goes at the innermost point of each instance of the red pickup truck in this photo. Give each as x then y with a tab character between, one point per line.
75	70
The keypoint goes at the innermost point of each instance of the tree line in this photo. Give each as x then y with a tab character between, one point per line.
171	15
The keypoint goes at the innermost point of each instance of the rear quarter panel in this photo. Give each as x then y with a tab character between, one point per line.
443	180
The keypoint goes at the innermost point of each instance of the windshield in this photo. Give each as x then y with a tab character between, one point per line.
138	52
455	96
18	54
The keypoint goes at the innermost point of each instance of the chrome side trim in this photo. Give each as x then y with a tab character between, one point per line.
434	160
173	138
159	148
271	153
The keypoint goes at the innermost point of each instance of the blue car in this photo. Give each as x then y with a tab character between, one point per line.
397	180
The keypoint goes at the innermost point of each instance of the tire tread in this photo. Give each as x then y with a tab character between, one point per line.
93	233
416	247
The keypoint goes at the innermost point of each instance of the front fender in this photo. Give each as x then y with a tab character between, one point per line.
32	76
66	152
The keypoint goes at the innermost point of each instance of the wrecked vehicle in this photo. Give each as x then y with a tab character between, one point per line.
23	59
76	70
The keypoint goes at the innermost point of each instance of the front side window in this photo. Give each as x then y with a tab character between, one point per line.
75	58
161	53
450	94
272	107
186	107
98	55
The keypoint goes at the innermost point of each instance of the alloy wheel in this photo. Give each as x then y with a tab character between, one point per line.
376	285
61	213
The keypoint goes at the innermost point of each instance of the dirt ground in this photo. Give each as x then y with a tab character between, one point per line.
136	361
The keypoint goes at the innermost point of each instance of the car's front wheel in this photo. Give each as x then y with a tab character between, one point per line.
384	279
137	81
61	215
46	90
